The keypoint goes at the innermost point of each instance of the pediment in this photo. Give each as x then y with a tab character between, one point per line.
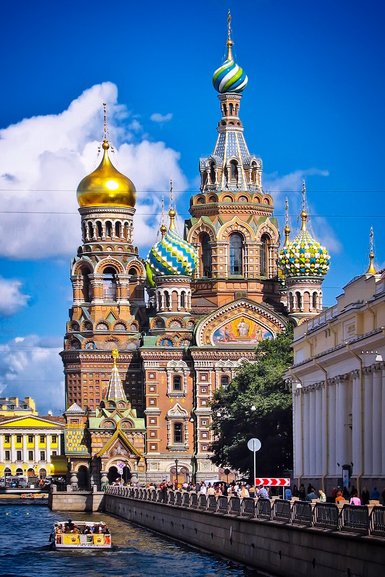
118	446
241	323
30	422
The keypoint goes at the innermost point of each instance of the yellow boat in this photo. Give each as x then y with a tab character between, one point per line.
80	535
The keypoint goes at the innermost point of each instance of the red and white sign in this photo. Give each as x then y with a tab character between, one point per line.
272	481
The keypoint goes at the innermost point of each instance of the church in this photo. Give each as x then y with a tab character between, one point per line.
150	338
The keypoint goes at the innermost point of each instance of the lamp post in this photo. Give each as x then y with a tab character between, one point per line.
176	473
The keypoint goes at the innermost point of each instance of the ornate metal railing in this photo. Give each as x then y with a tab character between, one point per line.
361	520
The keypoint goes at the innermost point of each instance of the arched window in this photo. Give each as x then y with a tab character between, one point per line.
85	285
236	254
206	255
264	254
234	170
225	380
109	284
177	383
212	172
178	432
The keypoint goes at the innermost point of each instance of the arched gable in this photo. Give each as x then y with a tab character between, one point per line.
242	323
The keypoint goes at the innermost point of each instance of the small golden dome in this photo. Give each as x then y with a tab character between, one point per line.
106	186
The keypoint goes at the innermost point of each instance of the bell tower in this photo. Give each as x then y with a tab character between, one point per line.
232	225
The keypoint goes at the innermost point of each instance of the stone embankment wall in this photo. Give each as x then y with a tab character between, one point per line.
281	549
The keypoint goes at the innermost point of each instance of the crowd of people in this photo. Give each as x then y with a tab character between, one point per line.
243	489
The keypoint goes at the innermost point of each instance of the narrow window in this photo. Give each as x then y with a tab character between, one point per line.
178	433
236	254
264	255
109	284
177	383
206	255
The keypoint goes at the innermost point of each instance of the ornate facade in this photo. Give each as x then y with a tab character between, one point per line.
212	296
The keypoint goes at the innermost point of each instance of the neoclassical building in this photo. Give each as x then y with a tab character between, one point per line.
184	318
338	380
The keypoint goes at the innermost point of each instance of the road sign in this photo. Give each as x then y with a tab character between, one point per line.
254	444
272	481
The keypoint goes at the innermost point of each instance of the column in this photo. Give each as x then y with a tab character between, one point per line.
305	432
368	422
383	422
341	423
318	431
332	440
376	420
357	429
325	427
297	429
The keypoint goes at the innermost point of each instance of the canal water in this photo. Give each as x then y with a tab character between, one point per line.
137	552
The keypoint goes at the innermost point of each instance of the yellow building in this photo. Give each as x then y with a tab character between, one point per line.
15	407
32	446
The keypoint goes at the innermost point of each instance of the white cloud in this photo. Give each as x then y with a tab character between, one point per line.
11	297
31	366
290	185
43	159
158	117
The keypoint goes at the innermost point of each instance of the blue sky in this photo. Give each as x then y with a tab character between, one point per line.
313	109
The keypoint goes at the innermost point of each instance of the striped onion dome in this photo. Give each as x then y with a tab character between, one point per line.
303	256
171	255
229	77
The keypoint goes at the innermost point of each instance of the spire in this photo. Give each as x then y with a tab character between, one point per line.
172	211
229	42
115	391
287	227
303	211
163	227
371	267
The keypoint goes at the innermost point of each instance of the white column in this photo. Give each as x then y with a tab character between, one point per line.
318	431
312	440
342	422
357	430
376	420
324	425
383	423
332	430
368	422
305	432
298	432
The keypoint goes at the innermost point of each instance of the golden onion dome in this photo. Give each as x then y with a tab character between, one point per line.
106	186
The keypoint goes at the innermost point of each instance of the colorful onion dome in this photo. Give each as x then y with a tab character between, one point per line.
106	186
303	256
229	77
172	255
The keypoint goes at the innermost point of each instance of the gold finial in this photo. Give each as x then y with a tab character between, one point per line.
303	211
163	227
371	267
114	355
287	227
229	41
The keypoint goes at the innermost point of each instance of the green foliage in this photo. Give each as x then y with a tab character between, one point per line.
257	403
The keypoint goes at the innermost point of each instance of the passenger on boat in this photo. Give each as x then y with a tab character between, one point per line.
69	526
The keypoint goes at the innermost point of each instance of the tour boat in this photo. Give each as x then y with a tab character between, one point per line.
80	535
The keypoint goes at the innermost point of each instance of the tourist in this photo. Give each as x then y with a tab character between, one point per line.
322	496
365	496
375	494
354	498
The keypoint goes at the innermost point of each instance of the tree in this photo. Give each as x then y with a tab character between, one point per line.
257	403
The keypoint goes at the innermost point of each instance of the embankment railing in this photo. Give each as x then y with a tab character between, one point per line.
329	516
